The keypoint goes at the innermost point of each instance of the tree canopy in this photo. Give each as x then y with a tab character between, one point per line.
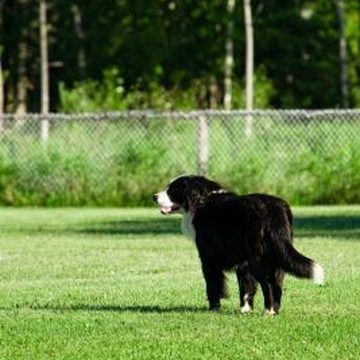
120	54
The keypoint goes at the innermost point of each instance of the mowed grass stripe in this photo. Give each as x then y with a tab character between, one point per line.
125	284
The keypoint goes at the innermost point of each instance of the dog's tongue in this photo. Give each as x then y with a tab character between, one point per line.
166	210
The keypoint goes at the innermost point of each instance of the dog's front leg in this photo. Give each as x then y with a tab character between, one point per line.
215	284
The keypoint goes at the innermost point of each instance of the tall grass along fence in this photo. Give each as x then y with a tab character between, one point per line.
120	159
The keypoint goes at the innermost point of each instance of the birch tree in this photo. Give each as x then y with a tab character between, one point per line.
2	104
22	82
229	56
78	28
2	107
343	58
249	65
1	74
44	70
1	86
1	95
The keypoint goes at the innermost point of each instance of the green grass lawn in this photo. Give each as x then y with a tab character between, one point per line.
125	284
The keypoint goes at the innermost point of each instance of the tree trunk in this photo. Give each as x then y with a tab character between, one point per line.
203	145
1	87
249	65
22	84
213	93
229	56
77	18
22	78
1	74
44	70
1	96
340	7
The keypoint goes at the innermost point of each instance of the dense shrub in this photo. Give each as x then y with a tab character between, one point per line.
122	163
109	93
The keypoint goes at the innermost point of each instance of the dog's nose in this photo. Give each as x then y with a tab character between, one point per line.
155	197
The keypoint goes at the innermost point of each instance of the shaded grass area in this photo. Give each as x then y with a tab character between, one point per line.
124	284
310	221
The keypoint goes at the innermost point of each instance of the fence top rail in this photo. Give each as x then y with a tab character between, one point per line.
176	114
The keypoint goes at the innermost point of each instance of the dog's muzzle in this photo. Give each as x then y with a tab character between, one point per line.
167	206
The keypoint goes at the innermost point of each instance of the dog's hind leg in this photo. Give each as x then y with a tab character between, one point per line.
267	289
277	289
215	285
271	283
247	289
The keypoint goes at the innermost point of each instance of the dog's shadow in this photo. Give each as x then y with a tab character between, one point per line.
332	226
347	226
135	226
151	309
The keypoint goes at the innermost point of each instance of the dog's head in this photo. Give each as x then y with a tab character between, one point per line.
185	193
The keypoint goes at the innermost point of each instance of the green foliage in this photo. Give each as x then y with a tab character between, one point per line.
7	177
264	91
125	284
352	37
161	54
109	94
92	95
123	162
297	163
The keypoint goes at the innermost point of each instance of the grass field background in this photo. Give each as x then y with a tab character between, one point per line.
125	284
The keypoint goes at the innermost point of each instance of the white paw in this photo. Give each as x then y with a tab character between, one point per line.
270	311
246	308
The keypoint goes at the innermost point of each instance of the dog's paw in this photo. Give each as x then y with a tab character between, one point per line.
246	309
269	312
214	308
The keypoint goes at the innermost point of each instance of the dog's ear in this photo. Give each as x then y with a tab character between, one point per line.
198	190
210	186
195	196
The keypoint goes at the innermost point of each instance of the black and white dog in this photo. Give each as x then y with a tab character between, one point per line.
251	234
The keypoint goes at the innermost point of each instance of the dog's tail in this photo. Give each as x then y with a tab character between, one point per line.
299	265
290	260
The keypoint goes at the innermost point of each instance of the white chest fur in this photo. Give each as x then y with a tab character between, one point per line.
187	226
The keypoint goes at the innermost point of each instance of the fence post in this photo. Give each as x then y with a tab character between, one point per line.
203	145
248	124
44	128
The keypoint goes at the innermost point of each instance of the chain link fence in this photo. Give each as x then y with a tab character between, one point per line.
121	158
